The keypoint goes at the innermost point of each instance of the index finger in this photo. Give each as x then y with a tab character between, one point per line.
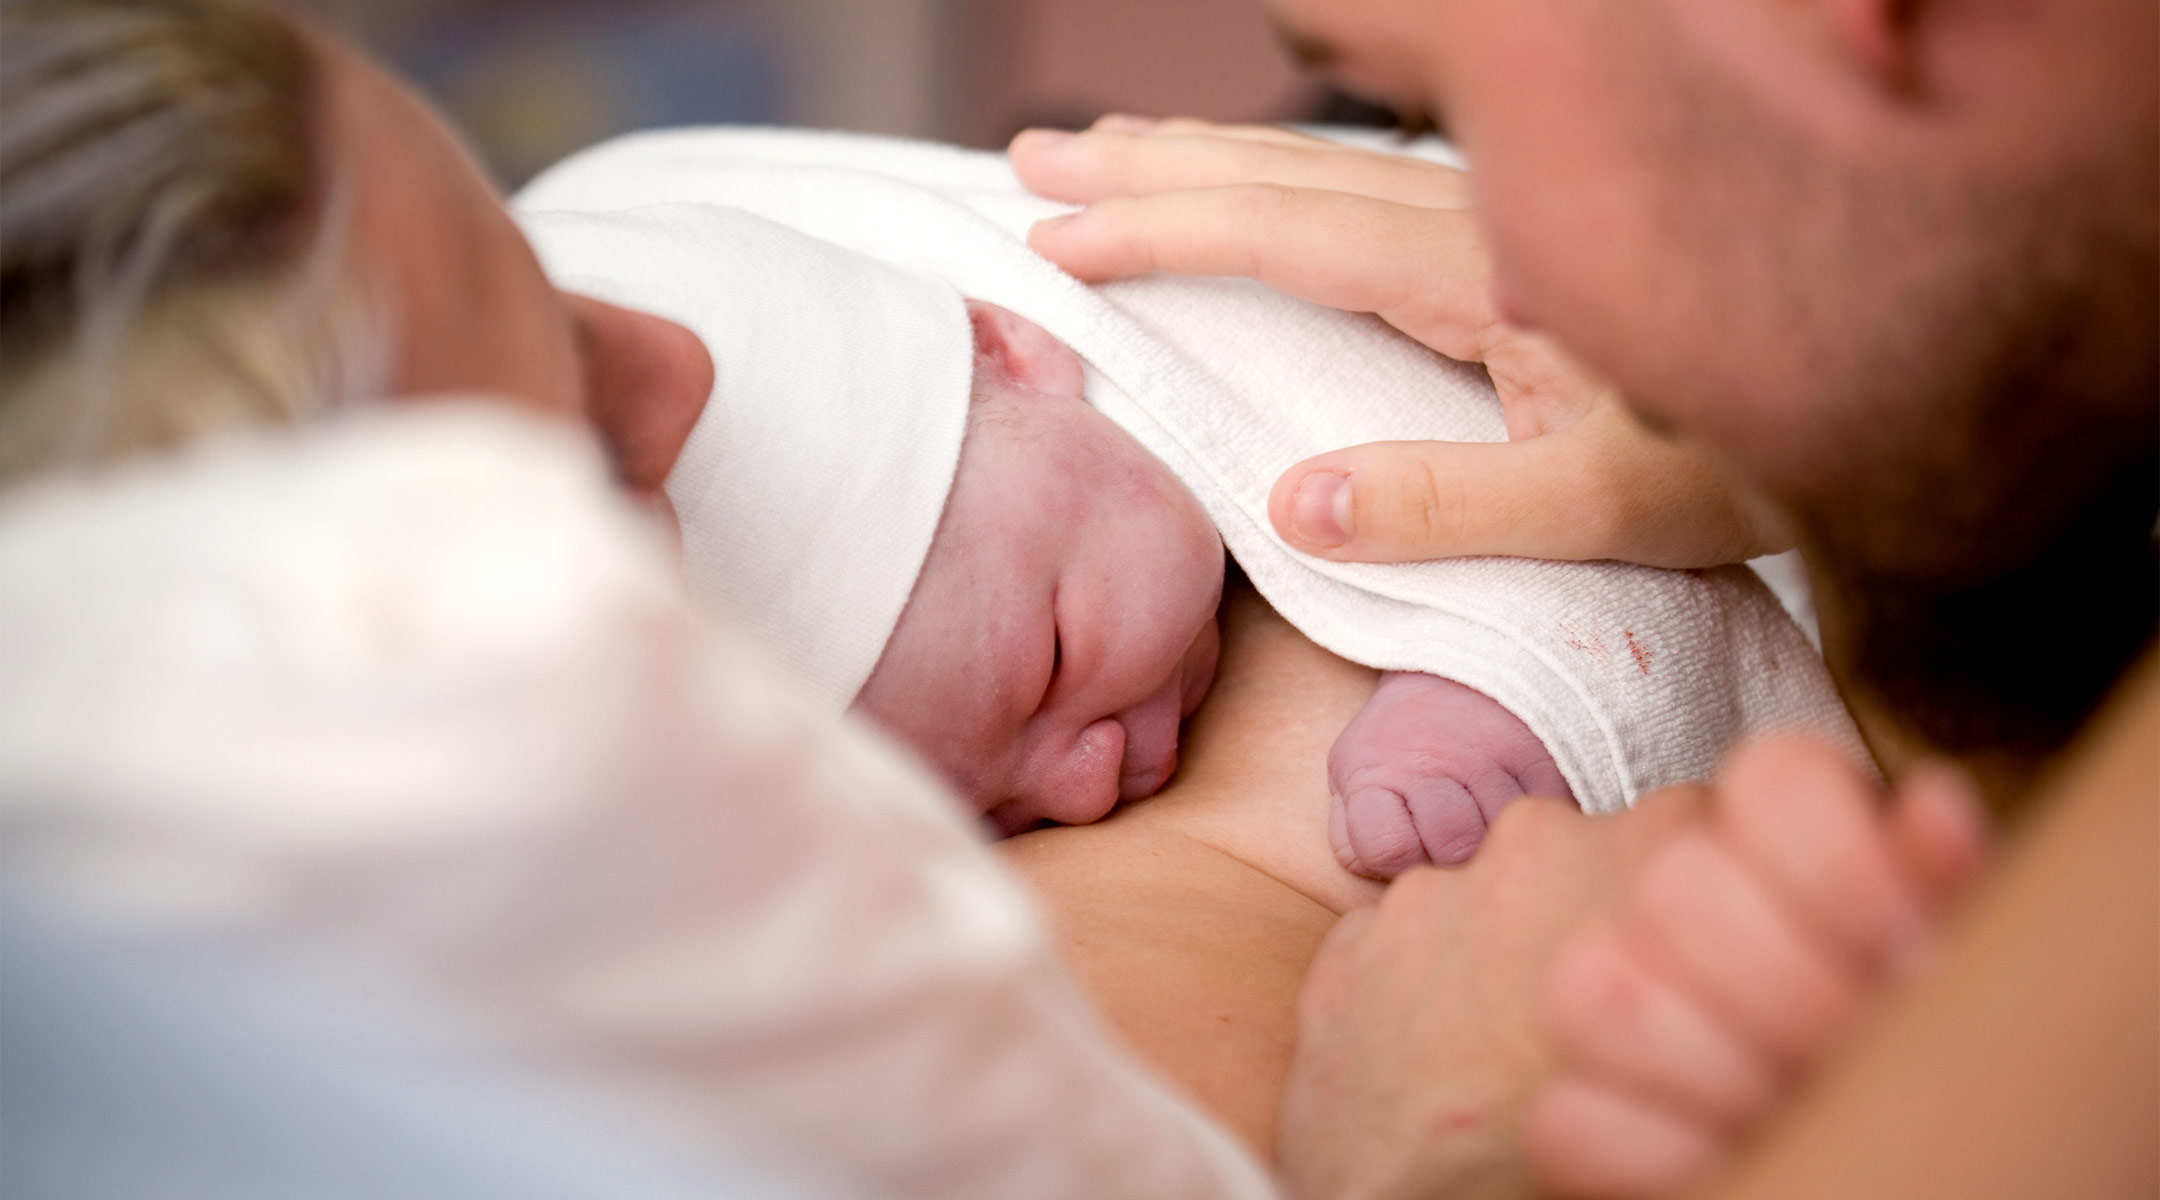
1127	123
1425	271
1083	167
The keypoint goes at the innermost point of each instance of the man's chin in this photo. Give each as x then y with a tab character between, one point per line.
2008	665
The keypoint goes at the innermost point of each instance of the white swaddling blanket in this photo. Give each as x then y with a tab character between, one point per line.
1634	678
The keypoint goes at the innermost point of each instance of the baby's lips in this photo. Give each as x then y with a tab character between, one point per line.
1140	783
1151	742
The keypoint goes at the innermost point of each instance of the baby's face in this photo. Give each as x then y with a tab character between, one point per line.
1064	623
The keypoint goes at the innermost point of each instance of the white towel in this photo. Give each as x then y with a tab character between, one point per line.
1634	678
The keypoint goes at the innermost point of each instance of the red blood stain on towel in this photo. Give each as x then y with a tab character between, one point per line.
1641	652
1578	638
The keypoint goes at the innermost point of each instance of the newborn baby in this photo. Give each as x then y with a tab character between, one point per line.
988	507
1064	626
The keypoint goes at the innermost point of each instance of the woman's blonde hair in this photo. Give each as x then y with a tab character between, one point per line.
167	257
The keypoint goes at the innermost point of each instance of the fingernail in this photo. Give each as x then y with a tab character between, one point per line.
1320	510
1124	123
1051	225
1044	139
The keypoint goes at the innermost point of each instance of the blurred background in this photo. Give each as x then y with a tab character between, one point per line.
532	80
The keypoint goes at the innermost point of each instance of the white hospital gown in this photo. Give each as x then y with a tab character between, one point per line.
415	700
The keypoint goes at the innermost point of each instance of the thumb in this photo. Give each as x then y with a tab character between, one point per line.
1401	501
1602	488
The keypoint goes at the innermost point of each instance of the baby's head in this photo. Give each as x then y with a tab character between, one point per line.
947	536
1063	625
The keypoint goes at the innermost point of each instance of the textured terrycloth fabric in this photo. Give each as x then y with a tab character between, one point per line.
811	487
417	706
1634	678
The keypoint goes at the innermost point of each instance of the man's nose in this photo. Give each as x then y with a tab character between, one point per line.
646	383
1075	781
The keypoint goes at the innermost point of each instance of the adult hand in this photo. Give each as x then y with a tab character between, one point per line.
1579	478
1418	1050
1746	950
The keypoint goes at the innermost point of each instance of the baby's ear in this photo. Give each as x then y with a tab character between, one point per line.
1030	355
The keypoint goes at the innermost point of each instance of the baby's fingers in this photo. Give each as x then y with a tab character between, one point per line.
1375	834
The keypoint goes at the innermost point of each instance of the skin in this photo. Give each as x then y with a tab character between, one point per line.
1422	771
1415	1014
1905	338
1063	628
1918	277
1064	623
467	306
1580	477
1191	919
1095	636
1666	1053
1886	207
1558	265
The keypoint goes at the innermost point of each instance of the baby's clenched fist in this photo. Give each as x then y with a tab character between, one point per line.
1423	769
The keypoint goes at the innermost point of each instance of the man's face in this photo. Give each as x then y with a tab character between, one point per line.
1920	314
1608	227
1697	198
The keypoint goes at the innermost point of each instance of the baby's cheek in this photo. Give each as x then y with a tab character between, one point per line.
911	700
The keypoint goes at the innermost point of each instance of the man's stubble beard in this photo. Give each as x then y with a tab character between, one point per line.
1996	583
1980	358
